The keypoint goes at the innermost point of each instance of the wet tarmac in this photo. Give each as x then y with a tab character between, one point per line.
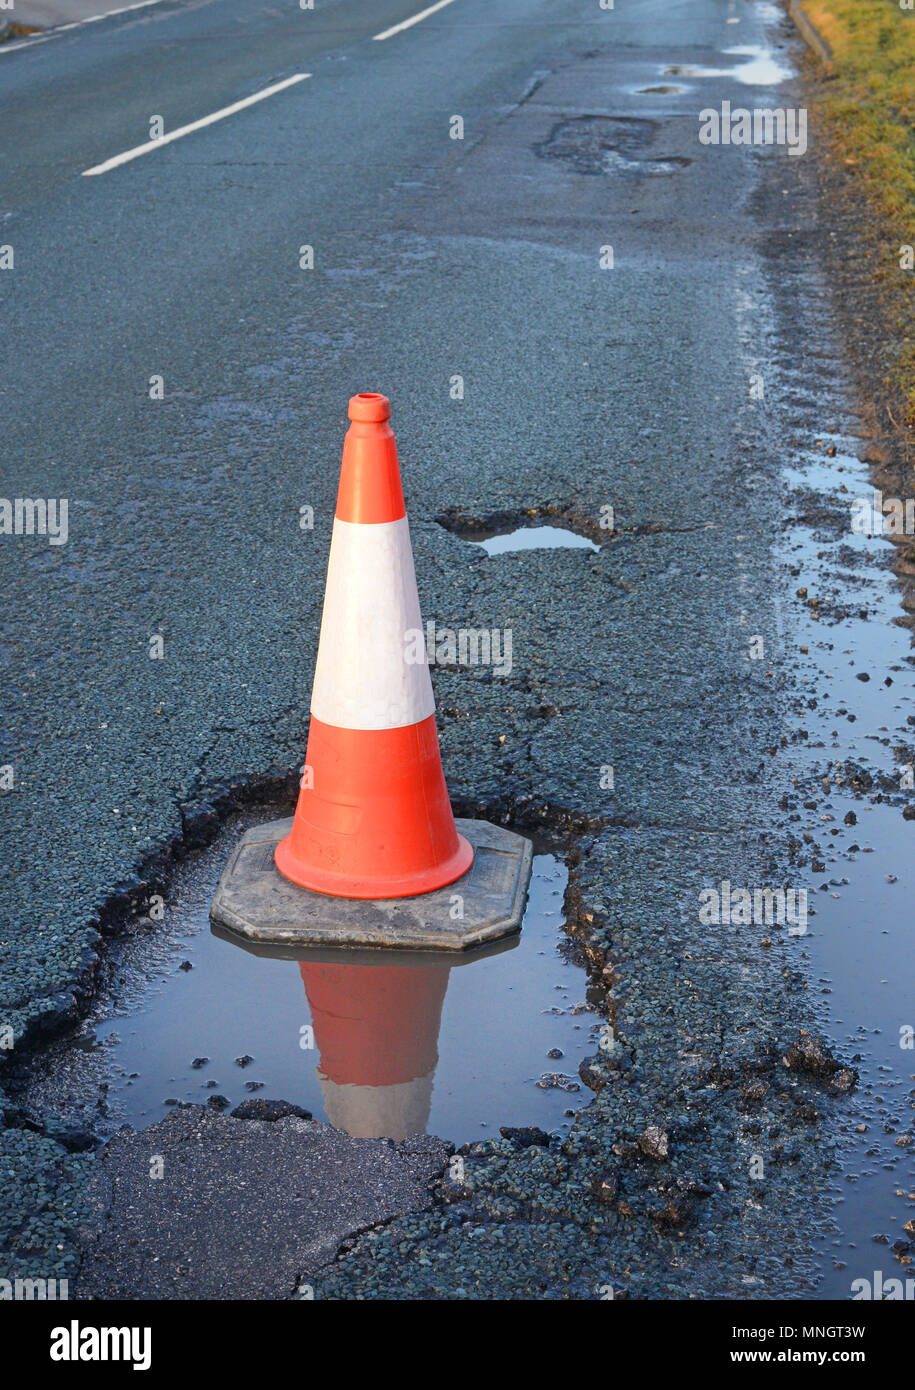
641	718
851	767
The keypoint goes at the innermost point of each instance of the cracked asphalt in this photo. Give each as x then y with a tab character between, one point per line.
582	387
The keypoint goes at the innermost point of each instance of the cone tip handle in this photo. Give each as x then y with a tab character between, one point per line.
369	408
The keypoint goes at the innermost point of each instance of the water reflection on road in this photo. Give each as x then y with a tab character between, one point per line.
377	1044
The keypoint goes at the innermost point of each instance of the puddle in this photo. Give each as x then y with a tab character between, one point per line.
856	684
499	532
534	538
376	1049
762	70
769	12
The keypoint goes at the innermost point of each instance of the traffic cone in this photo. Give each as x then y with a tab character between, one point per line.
376	1028
373	819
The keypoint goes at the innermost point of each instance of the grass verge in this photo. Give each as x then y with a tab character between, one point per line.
867	109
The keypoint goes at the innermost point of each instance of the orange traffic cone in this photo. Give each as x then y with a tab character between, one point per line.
373	818
376	1027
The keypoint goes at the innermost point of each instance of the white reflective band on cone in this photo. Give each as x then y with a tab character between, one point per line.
378	1112
363	679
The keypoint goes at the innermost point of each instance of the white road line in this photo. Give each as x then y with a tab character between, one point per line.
408	23
151	145
17	45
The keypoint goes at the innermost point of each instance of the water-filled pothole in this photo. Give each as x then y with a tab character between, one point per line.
499	532
533	538
376	1049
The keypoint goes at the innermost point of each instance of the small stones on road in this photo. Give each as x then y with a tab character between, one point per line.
606	1186
526	1136
557	1081
262	1109
654	1143
754	1092
811	1056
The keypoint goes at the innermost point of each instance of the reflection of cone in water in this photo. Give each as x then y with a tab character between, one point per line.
373	818
376	1028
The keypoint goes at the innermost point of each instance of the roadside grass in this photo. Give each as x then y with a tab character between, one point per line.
17	31
868	107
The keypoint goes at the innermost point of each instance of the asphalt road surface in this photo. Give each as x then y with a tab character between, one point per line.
178	272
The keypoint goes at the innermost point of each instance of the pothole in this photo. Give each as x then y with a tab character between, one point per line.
606	145
379	1047
668	89
534	538
500	532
